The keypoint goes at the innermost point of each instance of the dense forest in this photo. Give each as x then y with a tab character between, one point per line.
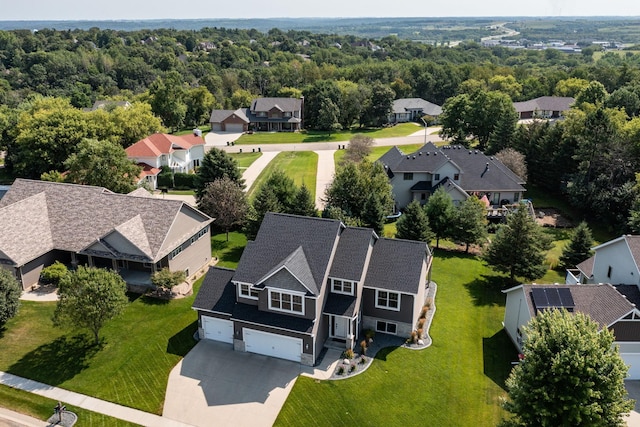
174	77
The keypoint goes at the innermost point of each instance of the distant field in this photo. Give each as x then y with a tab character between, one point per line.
622	53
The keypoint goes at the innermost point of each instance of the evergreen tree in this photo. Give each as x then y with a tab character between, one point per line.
571	374
265	201
373	214
440	211
304	204
470	222
283	188
519	247
414	224
217	164
578	248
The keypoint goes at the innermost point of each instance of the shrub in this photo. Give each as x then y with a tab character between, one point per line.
363	360
54	273
167	279
423	312
414	337
348	354
363	346
421	322
419	333
369	334
184	180
352	367
340	370
165	180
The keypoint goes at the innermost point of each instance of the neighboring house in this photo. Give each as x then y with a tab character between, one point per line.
614	308
3	190
461	171
181	153
305	281
43	222
411	109
616	261
265	114
545	107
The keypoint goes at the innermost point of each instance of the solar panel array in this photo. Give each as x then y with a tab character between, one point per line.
545	298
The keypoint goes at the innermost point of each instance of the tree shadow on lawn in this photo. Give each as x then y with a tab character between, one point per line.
487	290
384	352
181	343
57	361
498	352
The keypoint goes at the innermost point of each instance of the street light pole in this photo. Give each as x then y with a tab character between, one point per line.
425	130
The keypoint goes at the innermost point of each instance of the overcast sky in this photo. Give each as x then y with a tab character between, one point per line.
203	9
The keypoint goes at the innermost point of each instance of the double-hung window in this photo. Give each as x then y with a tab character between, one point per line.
388	300
282	301
248	291
342	286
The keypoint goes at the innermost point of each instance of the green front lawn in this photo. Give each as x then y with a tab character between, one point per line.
378	151
301	166
458	381
42	408
402	129
245	159
139	348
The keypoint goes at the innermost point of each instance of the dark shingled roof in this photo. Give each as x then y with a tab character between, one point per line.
284	104
478	172
396	265
250	313
545	103
603	303
402	105
351	253
217	293
279	236
340	305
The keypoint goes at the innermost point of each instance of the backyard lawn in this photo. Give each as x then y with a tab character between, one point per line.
132	365
301	166
458	381
402	129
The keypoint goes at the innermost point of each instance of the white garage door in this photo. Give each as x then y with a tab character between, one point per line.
633	361
234	127
272	345
217	329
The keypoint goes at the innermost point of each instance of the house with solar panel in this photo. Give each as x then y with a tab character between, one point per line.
612	307
460	171
304	283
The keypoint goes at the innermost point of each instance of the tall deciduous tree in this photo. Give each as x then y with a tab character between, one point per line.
226	202
571	374
10	291
440	211
578	248
519	247
470	222
89	297
167	100
359	148
217	164
515	161
414	224
104	164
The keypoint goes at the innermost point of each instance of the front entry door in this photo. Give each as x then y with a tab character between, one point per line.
341	327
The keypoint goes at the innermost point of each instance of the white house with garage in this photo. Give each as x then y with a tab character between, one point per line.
612	307
307	281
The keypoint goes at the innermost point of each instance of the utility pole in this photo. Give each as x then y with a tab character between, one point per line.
425	130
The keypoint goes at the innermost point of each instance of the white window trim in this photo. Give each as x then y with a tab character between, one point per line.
386	307
386	324
292	294
249	288
353	286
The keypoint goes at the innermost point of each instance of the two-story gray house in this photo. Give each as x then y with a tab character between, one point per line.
306	280
264	114
461	171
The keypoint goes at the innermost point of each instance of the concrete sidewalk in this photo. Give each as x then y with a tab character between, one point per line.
86	402
324	177
252	172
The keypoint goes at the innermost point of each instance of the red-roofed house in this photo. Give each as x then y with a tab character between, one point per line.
181	153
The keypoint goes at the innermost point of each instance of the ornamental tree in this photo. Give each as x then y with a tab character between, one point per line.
571	374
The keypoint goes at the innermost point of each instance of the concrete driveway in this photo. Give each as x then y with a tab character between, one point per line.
219	139
214	385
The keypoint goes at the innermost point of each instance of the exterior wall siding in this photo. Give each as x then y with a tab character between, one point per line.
623	268
404	315
194	256
516	315
30	272
402	187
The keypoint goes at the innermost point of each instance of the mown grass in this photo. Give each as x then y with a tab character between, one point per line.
301	166
402	129
245	159
138	350
458	381
204	128
42	408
